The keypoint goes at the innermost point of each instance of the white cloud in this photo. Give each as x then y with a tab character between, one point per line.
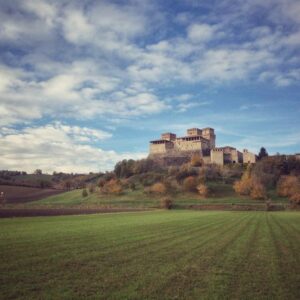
200	32
57	147
77	28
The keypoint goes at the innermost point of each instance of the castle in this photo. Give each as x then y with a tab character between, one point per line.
171	148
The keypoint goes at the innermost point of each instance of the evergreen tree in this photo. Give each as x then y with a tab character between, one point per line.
262	153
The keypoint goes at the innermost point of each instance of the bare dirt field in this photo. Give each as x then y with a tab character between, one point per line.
21	194
39	212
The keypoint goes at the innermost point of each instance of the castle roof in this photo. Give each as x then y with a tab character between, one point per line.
160	141
186	137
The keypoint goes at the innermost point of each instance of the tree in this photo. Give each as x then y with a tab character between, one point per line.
38	172
158	188
113	186
262	153
190	184
258	191
288	185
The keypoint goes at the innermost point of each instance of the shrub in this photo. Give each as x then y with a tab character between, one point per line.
101	183
112	187
288	185
166	203
91	188
258	191
250	186
196	160
210	172
84	193
185	172
190	184
203	190
295	198
132	186
148	179
243	186
158	188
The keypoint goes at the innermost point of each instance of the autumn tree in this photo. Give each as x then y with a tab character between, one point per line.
158	188
289	186
258	191
203	190
190	184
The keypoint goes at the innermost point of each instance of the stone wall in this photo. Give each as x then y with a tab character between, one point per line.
217	156
183	145
248	157
160	148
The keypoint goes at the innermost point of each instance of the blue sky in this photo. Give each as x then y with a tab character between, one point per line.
84	84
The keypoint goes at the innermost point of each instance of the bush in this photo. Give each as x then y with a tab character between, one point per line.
113	187
210	172
101	182
203	190
91	188
287	186
250	186
196	160
166	203
84	193
295	198
258	191
185	172
243	186
158	188
132	186
190	184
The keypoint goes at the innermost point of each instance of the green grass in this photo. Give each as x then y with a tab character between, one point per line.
152	255
222	194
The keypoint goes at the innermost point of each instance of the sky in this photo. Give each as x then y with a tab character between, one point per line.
84	84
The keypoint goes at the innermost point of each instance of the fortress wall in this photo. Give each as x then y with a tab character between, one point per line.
182	145
160	148
234	156
206	159
248	157
217	157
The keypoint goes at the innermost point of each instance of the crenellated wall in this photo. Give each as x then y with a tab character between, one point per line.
217	156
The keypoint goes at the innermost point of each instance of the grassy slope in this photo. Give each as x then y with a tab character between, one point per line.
222	194
153	255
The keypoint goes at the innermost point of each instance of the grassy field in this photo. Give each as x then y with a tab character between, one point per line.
152	255
222	194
